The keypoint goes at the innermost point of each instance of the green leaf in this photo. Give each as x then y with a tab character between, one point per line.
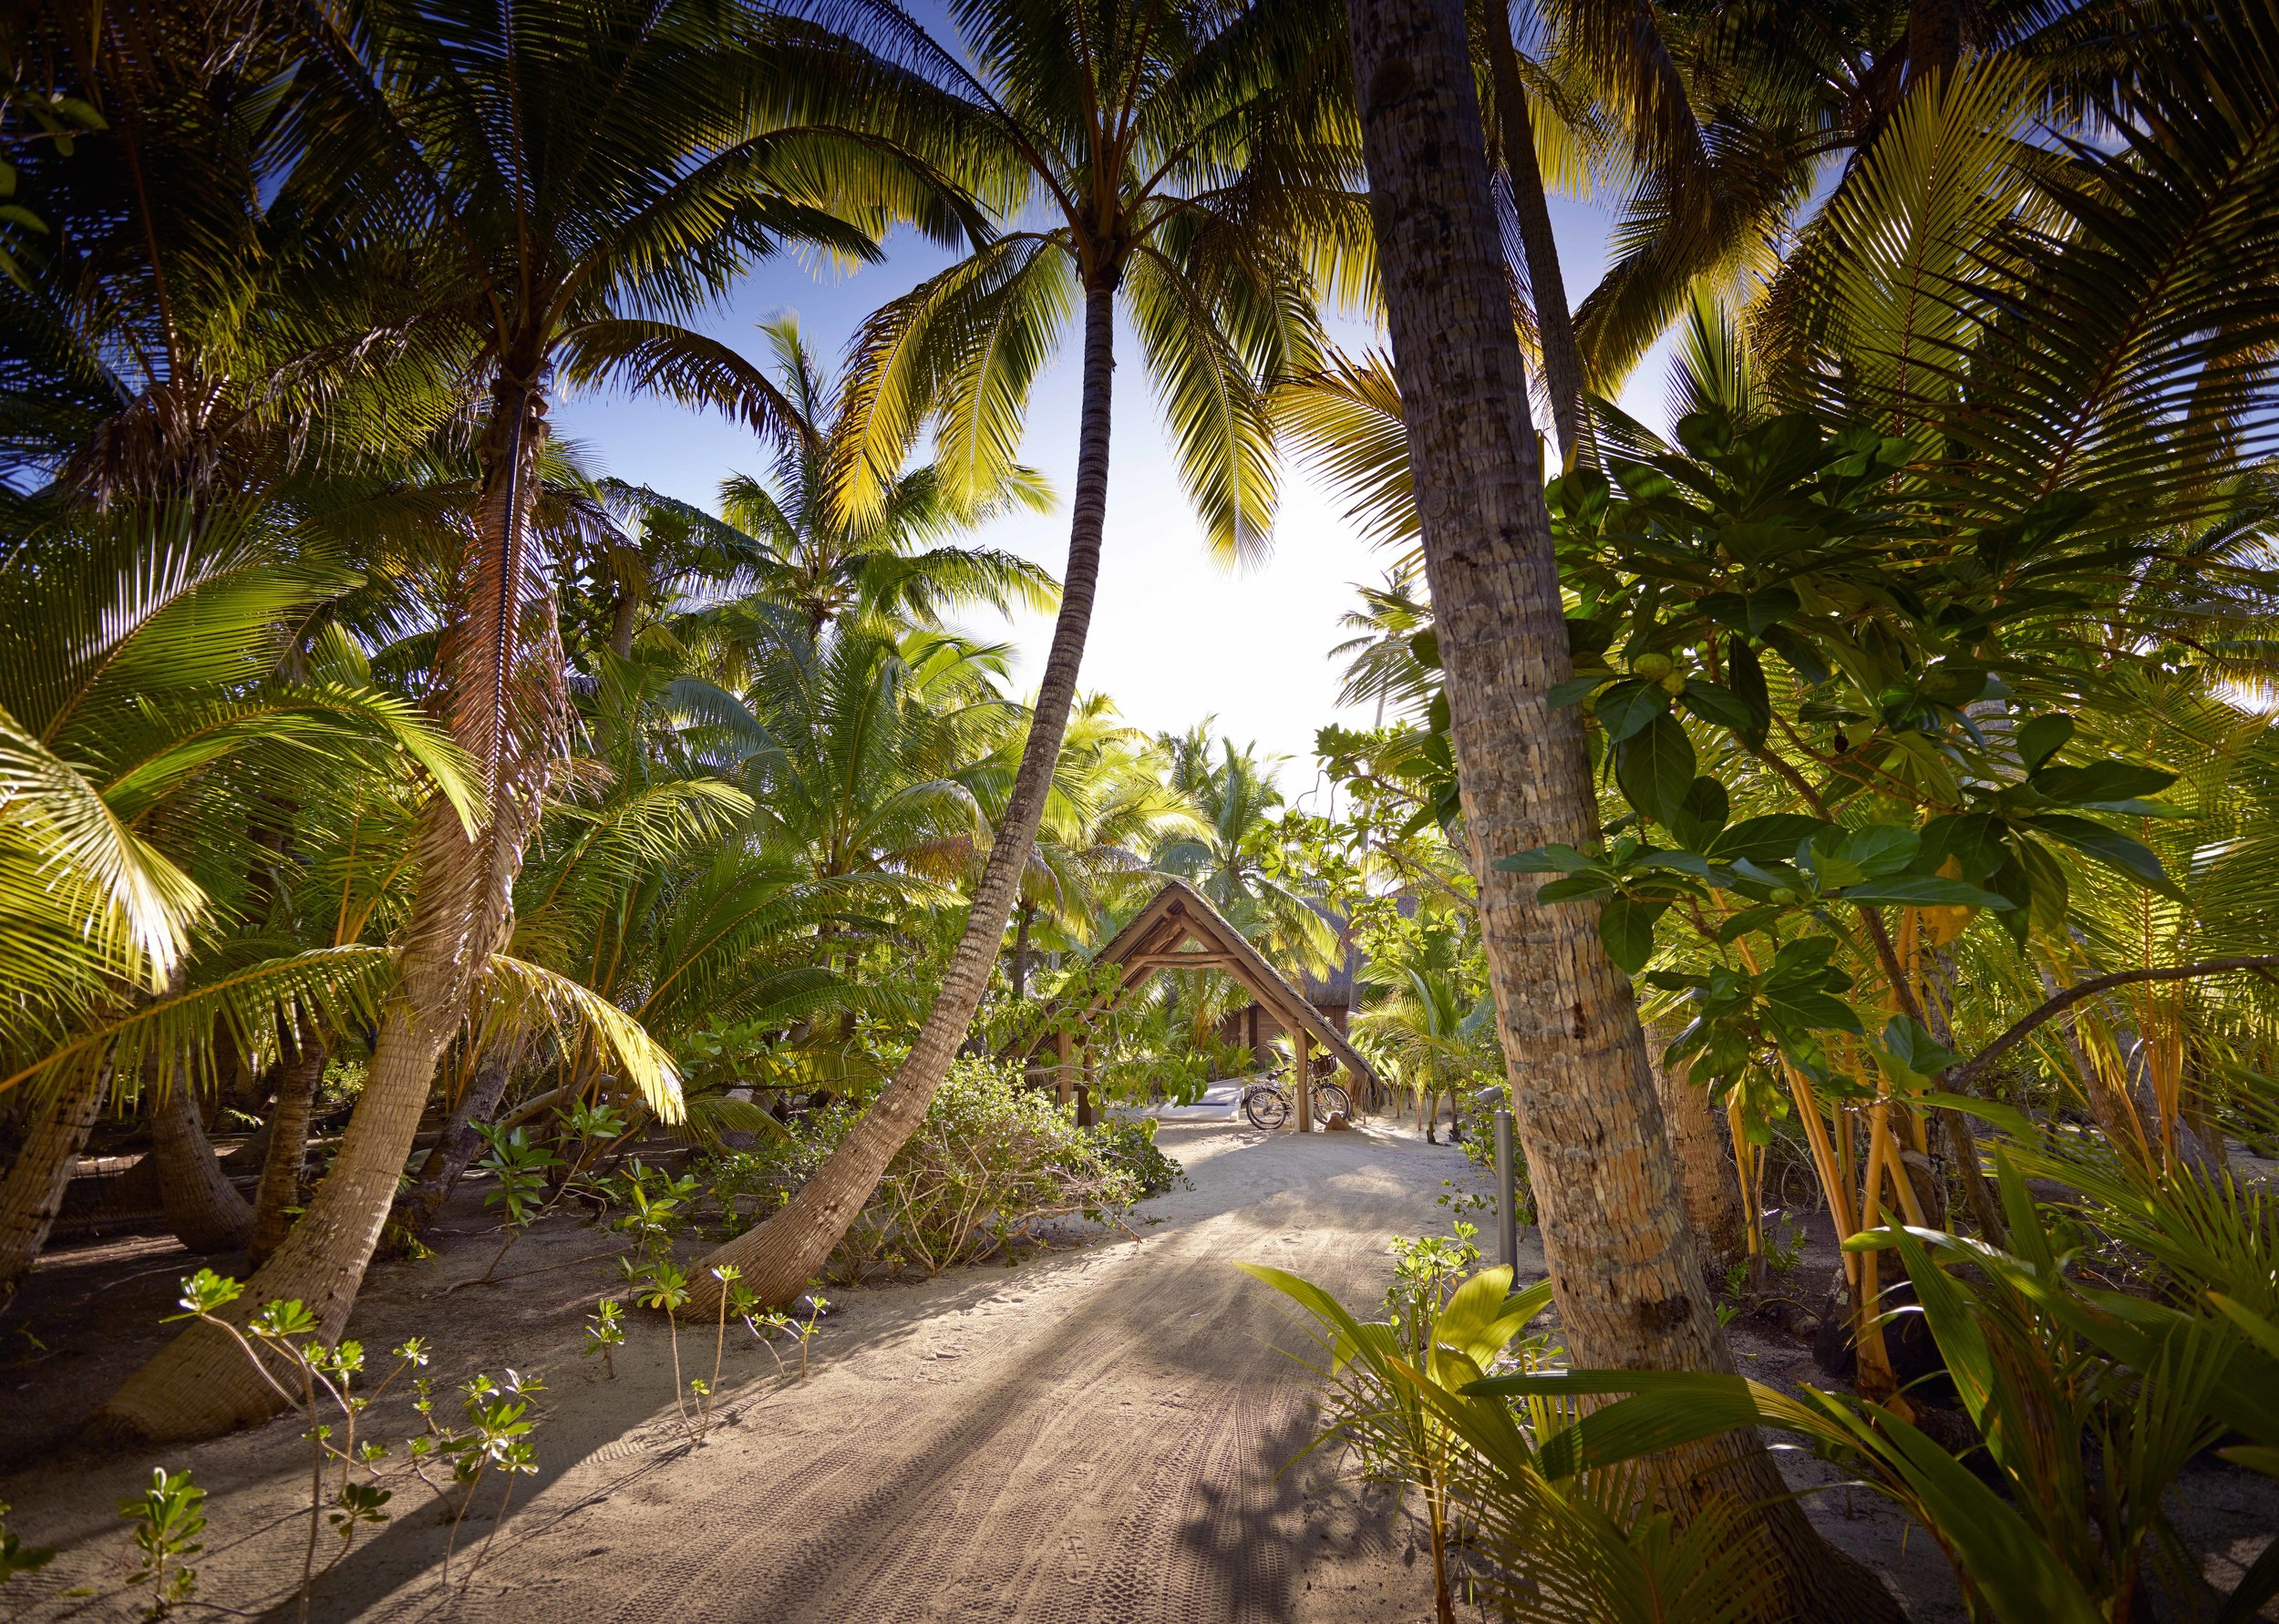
1746	673
2100	781
1628	707
1771	838
1976	841
1574	691
2042	738
1922	890
2111	847
1575	887
1654	768
1703	814
2011	1121
1721	707
1626	927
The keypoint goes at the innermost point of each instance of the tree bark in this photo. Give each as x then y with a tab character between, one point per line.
33	1194
501	679
1546	284
1707	1178
282	1168
1019	972
1625	1271
454	1153
780	1255
203	1209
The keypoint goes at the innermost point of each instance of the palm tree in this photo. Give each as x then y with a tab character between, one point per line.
1233	858
1625	1266
1186	161
549	184
142	717
879	564
1438	1032
1112	810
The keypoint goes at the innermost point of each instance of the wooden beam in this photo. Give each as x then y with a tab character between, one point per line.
1061	1081
1302	1046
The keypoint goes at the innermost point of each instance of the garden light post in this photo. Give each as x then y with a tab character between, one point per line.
1507	1188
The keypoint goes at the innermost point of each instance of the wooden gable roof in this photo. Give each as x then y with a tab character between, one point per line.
1180	930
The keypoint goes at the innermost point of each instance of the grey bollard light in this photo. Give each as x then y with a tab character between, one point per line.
1507	1194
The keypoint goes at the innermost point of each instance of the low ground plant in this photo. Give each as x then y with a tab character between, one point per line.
348	1476
1515	1519
991	1165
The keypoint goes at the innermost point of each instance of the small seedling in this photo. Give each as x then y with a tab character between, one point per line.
168	1522
322	1381
604	1330
15	1556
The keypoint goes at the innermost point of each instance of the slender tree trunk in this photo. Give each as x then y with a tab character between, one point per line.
1625	1271
623	613
33	1194
1707	1178
454	1153
781	1255
282	1168
1019	975
203	1209
502	673
1546	284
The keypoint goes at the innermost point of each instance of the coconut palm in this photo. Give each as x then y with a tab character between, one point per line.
1234	858
1575	1053
1185	164
552	183
1111	811
882	562
146	732
1438	1032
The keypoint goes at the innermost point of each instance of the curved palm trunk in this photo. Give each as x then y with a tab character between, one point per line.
199	1384
33	1193
287	1163
203	1207
1546	284
777	1258
455	1152
1623	1259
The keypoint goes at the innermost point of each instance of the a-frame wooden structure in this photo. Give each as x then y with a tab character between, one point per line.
1180	930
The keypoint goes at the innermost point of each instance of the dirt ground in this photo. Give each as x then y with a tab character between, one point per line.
1107	1432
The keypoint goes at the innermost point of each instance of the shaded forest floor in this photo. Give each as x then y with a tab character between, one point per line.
1106	1431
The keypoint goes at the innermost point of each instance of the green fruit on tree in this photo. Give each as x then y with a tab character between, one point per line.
1672	684
1652	667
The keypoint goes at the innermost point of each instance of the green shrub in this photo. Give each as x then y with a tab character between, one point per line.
991	1163
1128	1143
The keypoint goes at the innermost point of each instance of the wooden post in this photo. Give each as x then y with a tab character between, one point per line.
1086	1117
1060	1076
1302	1054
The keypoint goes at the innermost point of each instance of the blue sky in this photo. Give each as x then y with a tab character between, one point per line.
1175	637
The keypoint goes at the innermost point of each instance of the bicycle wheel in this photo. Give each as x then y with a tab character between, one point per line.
1267	1108
1330	1099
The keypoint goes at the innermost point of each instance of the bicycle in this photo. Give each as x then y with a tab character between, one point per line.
1267	1107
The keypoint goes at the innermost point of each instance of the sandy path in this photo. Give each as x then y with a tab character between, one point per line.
1096	1437
1098	1434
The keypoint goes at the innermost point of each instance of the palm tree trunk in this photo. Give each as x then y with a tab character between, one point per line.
454	1153
1707	1178
282	1168
33	1194
1019	974
780	1255
1625	1270
1546	284
501	714
203	1209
